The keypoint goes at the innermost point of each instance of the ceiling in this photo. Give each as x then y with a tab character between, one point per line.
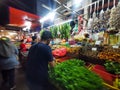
64	8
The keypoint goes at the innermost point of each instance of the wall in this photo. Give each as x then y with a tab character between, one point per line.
4	13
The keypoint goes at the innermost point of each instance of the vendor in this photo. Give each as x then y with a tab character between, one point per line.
86	39
75	29
23	53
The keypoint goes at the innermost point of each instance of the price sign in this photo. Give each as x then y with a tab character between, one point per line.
115	46
97	42
94	49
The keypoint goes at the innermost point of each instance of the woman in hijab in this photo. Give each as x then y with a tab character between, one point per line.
8	62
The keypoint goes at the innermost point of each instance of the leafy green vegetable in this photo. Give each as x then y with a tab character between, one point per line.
72	75
54	31
112	67
64	30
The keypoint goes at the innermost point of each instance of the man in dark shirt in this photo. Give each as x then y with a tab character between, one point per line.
40	55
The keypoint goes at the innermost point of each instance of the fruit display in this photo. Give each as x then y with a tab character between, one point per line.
73	51
78	37
102	53
110	54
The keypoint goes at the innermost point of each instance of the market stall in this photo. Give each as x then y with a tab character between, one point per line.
97	43
86	49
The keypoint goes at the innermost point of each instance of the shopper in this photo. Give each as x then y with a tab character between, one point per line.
40	55
8	62
23	53
23	47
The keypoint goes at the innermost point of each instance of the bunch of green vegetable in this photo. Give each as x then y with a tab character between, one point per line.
54	31
64	30
72	75
112	67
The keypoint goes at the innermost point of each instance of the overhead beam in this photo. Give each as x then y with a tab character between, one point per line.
48	8
64	5
58	2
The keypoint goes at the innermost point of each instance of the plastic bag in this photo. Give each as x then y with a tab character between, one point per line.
59	52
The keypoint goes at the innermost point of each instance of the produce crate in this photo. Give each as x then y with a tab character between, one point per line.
107	77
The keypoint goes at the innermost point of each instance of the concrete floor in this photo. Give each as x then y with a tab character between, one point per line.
21	82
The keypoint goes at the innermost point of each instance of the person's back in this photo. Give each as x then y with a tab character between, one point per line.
39	56
8	53
8	62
